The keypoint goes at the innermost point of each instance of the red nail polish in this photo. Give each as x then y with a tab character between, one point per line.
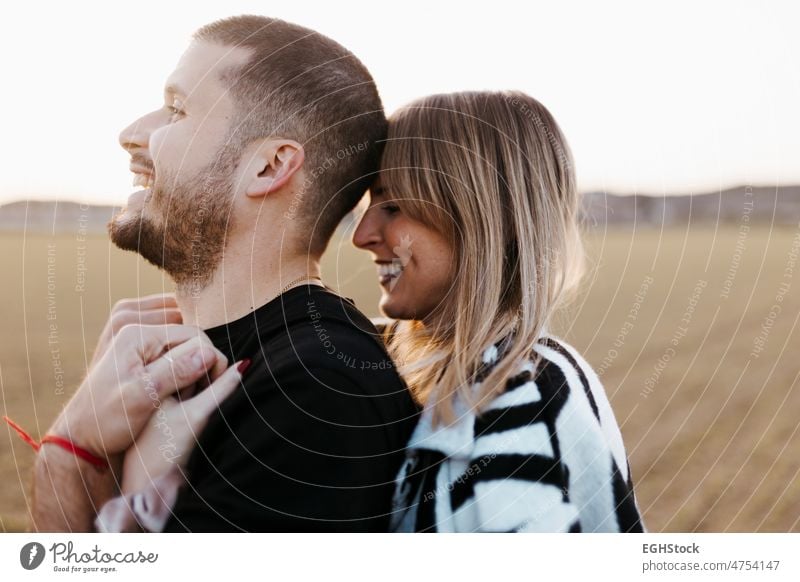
243	365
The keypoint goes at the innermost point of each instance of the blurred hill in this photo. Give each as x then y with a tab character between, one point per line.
55	217
776	205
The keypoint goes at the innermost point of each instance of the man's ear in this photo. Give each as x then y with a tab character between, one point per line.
274	164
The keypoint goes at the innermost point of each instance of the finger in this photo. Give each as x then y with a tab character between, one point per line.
183	365
219	368
149	317
120	318
200	407
156	301
159	316
212	374
148	342
200	342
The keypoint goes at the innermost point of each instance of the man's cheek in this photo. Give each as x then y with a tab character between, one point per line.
161	145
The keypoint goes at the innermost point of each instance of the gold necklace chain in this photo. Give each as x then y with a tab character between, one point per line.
296	281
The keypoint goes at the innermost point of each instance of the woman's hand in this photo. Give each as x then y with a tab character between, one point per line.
161	309
143	365
173	430
140	366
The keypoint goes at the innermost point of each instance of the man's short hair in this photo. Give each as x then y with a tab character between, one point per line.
301	85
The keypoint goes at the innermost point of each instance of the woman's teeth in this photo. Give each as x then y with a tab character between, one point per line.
390	270
389	273
143	181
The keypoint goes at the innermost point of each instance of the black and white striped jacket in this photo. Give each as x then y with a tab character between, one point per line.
545	456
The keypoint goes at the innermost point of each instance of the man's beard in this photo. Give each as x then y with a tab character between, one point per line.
187	238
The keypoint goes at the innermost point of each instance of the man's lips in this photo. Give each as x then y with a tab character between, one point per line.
141	168
143	180
143	176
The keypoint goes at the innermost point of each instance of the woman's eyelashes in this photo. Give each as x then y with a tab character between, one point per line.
390	208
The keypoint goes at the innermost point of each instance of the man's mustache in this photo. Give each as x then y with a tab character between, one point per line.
143	162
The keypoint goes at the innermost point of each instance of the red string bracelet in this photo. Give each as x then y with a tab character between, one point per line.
65	444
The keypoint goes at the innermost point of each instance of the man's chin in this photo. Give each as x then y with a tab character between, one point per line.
120	225
131	231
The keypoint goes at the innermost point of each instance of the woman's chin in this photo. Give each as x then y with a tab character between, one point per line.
391	307
394	307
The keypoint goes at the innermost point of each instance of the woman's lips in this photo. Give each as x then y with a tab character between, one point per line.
389	273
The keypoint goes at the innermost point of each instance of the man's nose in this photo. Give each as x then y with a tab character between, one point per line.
137	135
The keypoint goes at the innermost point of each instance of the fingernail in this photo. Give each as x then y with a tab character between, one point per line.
243	365
198	360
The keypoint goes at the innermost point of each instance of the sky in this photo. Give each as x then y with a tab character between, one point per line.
660	98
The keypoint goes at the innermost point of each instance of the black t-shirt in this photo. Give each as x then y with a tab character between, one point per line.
314	437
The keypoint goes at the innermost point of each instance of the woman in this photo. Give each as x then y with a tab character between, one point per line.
474	228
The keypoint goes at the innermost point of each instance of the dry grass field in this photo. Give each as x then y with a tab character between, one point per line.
701	369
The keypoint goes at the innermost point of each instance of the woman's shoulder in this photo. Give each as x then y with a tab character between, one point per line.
556	351
551	384
547	372
563	370
549	354
556	370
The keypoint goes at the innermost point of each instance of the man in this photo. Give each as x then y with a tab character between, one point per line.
268	137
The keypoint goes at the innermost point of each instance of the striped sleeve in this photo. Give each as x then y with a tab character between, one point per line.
548	454
592	450
520	483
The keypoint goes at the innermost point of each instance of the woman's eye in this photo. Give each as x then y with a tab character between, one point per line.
390	208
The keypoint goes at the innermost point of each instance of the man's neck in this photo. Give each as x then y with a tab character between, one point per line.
240	285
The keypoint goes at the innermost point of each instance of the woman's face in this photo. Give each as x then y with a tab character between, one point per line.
415	262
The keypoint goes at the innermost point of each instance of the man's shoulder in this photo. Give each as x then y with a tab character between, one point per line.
323	362
324	311
326	332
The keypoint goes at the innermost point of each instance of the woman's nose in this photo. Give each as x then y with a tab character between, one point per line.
367	233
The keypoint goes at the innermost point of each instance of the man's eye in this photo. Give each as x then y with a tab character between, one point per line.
174	110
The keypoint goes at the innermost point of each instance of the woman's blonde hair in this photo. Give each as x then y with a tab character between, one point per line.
493	173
